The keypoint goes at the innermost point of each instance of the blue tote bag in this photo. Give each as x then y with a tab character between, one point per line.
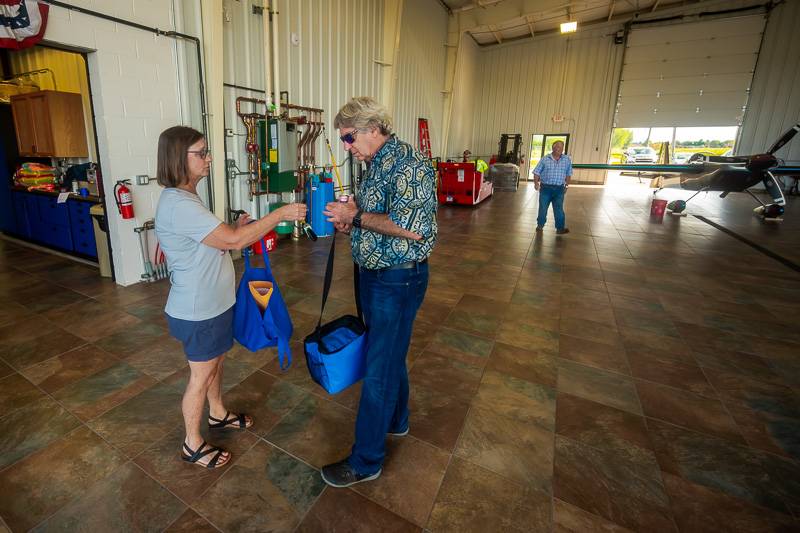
255	329
336	351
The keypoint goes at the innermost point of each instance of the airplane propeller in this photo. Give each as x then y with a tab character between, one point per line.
760	163
784	139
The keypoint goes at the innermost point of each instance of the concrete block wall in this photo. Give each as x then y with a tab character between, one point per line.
134	82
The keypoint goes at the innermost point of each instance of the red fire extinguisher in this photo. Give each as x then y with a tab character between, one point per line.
122	194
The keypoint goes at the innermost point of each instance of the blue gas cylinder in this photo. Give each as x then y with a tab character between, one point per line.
318	193
327	185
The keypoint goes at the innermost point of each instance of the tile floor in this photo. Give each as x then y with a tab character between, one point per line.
633	375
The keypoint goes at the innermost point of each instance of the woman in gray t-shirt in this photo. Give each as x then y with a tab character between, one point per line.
202	293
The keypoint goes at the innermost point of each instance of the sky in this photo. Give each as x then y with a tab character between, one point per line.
685	134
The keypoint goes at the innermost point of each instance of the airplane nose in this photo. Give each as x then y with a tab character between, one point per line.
761	162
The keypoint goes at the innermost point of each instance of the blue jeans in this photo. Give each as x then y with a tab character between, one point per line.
390	300
551	194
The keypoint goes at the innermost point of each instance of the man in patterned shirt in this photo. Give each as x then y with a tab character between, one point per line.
551	178
392	222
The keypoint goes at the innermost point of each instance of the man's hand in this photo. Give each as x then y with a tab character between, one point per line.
340	212
342	228
536	185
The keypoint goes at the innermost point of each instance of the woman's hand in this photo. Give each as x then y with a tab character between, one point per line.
247	231
292	212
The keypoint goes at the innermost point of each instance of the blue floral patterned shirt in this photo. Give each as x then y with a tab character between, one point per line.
402	183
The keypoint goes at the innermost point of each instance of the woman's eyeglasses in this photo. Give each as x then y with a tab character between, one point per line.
202	153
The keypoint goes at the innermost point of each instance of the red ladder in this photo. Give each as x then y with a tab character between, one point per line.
424	138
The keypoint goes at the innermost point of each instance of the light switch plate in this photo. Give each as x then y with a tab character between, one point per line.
142	179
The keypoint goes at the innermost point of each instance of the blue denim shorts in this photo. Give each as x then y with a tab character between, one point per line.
204	340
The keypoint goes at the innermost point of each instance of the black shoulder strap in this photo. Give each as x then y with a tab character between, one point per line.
357	290
327	285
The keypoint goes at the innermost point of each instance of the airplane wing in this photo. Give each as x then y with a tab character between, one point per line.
678	169
784	171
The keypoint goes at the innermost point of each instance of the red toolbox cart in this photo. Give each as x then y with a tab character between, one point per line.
460	183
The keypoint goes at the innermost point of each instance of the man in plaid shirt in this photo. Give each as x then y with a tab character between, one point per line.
551	178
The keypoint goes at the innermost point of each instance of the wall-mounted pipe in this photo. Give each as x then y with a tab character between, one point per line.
243	88
273	17
302	108
267	41
250	121
144	248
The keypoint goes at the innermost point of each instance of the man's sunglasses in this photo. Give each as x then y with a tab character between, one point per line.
350	137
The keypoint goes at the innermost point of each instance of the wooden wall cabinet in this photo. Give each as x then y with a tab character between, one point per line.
50	124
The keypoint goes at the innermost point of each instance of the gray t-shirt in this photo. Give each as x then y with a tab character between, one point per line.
202	277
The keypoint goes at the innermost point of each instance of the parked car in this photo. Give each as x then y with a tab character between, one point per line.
641	155
681	158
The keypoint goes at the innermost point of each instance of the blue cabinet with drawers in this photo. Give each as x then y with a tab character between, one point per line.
55	223
22	226
32	213
82	227
66	226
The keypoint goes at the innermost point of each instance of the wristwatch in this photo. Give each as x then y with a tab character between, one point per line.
357	219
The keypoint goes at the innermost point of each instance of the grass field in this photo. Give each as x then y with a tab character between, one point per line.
695	149
617	156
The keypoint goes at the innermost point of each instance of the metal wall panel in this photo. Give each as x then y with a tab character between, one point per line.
774	104
525	84
466	86
244	66
420	71
332	61
658	89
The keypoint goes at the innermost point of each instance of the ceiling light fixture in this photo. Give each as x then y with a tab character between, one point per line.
569	27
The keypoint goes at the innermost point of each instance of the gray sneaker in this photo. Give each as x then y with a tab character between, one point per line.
342	475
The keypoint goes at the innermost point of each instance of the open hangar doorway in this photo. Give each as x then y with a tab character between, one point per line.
683	89
664	145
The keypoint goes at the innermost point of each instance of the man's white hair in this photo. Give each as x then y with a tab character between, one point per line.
364	112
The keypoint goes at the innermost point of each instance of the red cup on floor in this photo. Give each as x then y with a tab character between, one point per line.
657	208
270	239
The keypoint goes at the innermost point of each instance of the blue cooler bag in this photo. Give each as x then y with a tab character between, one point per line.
336	351
256	330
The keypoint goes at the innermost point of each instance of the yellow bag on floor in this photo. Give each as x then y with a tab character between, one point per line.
261	291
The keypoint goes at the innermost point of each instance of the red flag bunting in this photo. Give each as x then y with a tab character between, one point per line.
22	23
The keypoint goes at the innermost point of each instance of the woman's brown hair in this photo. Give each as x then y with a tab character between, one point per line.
173	144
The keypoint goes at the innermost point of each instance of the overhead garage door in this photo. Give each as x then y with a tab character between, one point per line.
689	74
